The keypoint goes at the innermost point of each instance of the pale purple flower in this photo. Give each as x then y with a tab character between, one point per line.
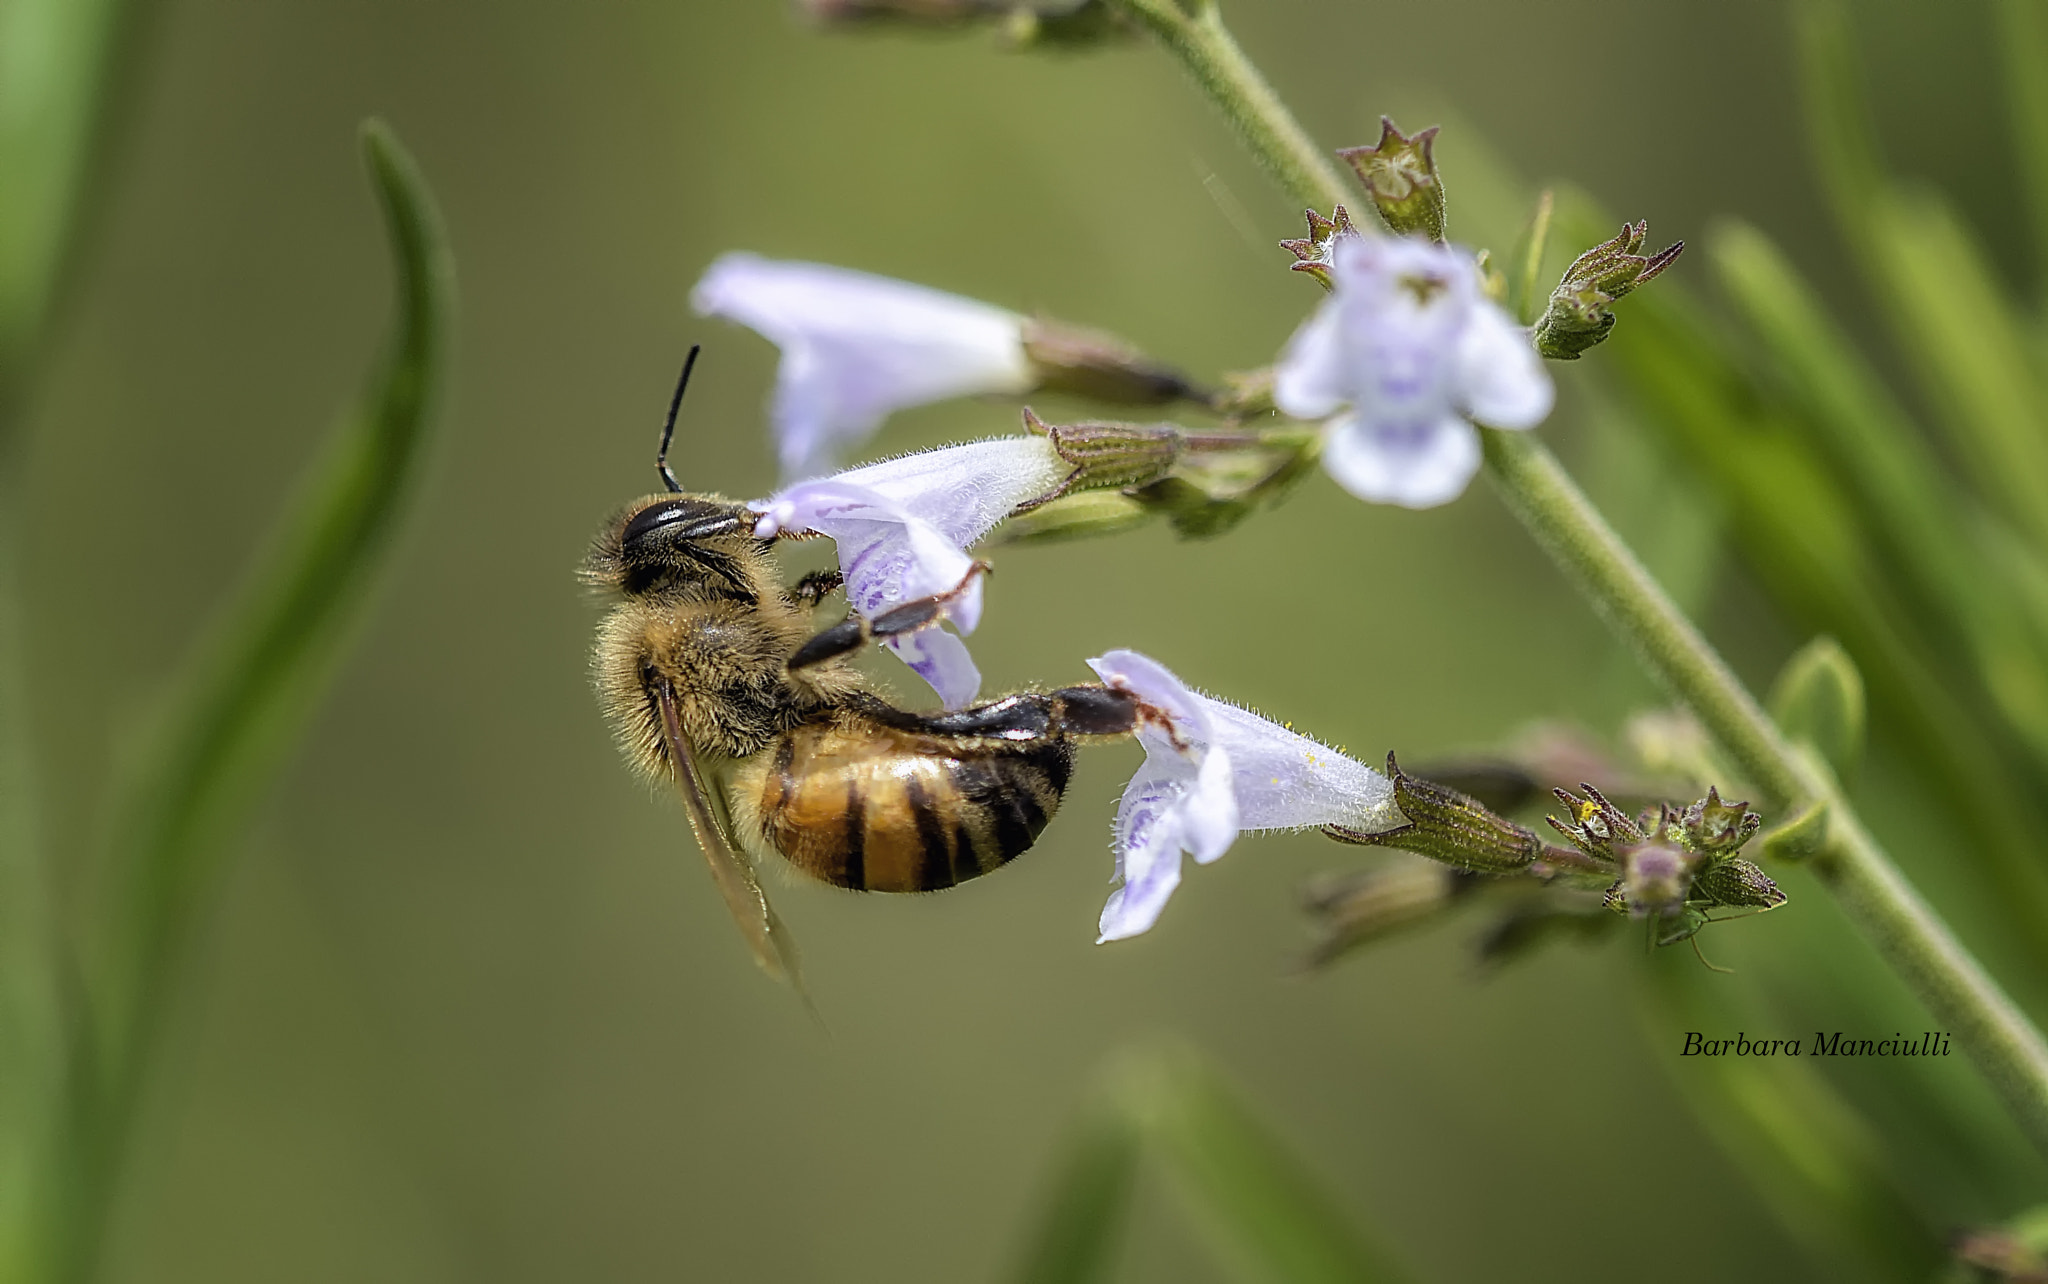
856	348
1410	342
903	527
1211	771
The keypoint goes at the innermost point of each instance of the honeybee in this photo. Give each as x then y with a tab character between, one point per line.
711	676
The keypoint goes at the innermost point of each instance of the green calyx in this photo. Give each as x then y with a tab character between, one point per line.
1579	316
1399	173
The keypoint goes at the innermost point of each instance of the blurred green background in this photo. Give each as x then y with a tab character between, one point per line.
468	1007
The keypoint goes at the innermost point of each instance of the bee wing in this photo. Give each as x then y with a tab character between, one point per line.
773	949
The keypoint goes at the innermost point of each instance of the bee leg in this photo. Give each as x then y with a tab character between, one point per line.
853	632
1088	711
815	587
1096	710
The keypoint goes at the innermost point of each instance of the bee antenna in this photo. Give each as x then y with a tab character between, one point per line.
668	425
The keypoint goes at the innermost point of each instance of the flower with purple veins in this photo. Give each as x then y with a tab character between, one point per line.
1410	342
1211	771
903	527
856	348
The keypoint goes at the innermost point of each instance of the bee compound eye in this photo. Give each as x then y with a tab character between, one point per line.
652	518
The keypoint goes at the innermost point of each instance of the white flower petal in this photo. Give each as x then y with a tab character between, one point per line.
1240	772
942	660
1410	342
1284	780
1209	812
965	490
857	347
1148	846
902	527
1311	380
1501	378
1417	466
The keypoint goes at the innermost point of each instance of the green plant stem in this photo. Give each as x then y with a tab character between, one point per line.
1904	929
1204	46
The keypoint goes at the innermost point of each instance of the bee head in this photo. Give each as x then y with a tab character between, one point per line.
676	541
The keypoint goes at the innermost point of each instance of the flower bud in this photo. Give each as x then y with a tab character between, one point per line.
1714	828
1088	363
1109	454
1448	826
1737	882
1065	26
1047	23
938	13
1315	253
1578	315
1400	173
1353	909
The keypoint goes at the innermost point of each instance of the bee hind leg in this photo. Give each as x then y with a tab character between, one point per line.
853	632
1084	712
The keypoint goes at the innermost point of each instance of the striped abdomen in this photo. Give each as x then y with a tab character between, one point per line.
880	810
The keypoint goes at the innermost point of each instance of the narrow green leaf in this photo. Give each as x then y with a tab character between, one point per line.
252	685
1271	1215
260	674
1970	350
1840	136
1928	529
1077	1237
2023	40
1818	699
1951	318
1525	286
54	60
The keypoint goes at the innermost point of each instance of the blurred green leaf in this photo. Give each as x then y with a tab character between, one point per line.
254	683
1928	530
54	58
1077	1239
252	686
1969	349
1268	1212
2023	41
1818	698
1820	1167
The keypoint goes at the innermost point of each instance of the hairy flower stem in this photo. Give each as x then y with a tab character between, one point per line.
1905	930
